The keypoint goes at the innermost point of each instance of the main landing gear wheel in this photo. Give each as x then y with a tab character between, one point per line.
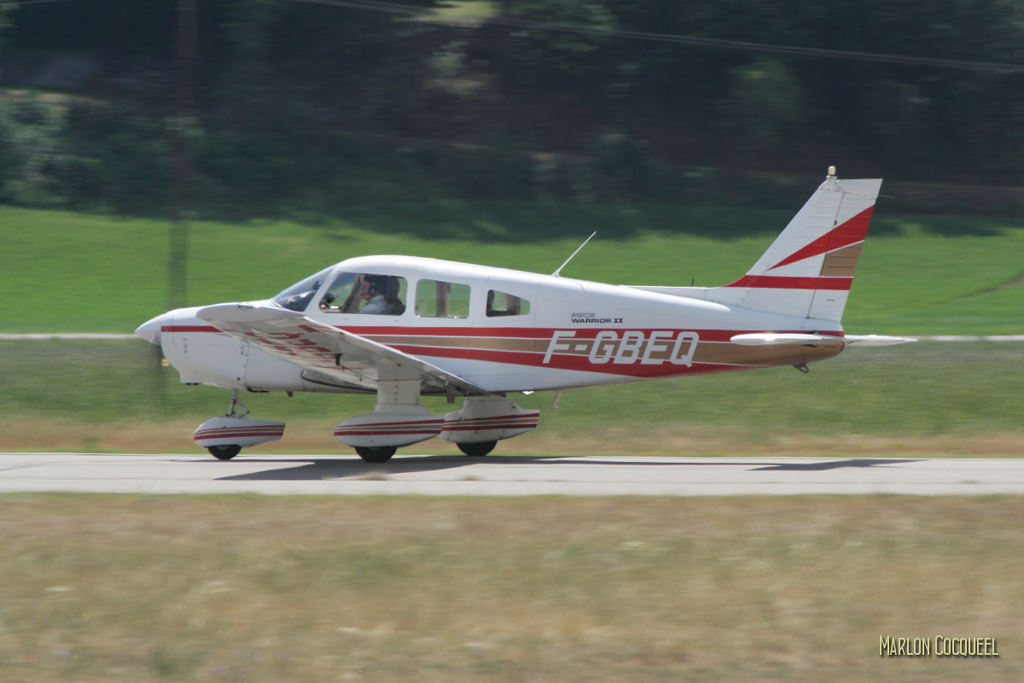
376	453
477	448
224	452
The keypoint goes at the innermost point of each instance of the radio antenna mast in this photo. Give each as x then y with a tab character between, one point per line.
558	271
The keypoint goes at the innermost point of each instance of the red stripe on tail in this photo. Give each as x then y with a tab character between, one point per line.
850	232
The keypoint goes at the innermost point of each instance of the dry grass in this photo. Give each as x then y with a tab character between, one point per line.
119	588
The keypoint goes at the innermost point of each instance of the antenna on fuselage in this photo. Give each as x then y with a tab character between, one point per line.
558	271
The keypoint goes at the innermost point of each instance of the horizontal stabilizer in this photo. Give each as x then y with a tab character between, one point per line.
777	338
876	340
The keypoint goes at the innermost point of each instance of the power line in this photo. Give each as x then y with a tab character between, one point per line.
15	4
696	41
368	5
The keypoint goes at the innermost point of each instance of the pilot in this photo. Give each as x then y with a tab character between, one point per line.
380	292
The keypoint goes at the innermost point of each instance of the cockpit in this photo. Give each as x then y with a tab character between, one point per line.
377	293
366	293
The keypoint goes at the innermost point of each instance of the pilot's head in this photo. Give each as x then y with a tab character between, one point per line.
372	286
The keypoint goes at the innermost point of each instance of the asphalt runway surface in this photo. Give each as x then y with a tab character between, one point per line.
507	475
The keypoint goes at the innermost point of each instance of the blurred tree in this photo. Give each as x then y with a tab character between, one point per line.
764	106
553	83
294	99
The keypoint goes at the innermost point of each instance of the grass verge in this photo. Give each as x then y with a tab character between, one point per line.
939	398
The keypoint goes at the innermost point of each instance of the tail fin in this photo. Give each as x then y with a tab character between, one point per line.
808	269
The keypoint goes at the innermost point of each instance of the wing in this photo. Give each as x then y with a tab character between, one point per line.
326	352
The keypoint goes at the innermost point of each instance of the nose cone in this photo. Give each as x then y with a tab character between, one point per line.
150	330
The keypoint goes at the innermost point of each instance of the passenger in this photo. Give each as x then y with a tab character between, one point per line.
395	305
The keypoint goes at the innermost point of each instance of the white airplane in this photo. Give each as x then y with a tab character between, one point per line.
402	327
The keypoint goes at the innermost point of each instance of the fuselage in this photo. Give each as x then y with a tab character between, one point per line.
501	329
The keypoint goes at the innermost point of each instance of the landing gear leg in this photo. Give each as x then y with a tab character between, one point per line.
235	404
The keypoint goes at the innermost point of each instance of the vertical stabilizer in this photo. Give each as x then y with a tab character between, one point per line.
808	269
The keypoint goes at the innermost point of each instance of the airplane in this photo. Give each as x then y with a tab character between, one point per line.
402	327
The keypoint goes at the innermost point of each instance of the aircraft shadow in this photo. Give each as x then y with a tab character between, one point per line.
352	468
858	462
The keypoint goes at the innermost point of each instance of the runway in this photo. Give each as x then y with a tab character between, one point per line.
507	475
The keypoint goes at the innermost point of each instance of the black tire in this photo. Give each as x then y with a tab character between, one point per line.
477	449
376	454
224	452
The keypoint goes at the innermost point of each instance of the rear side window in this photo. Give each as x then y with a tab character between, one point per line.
502	303
438	299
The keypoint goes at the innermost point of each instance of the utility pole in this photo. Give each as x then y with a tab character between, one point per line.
182	166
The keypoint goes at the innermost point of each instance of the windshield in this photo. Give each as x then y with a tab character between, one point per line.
297	296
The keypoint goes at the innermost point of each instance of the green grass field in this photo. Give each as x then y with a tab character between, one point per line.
917	275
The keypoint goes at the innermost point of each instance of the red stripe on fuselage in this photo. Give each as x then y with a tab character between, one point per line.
533	332
578	363
459	331
421	334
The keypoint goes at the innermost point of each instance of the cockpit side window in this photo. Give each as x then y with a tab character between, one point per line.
298	296
438	299
366	293
502	303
